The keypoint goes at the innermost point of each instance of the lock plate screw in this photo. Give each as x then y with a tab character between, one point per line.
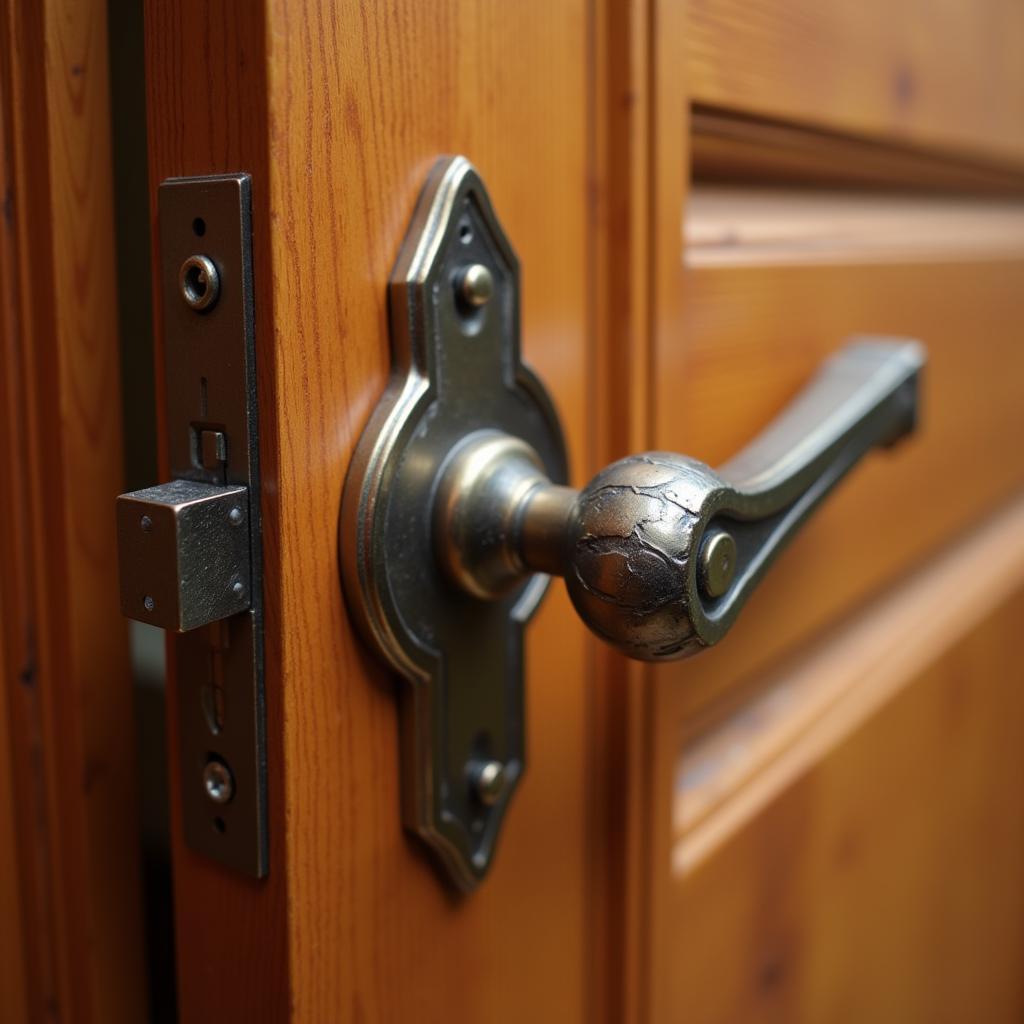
218	783
199	283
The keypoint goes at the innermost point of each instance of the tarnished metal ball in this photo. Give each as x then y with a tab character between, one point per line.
633	572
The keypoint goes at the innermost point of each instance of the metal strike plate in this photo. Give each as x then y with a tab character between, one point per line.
454	305
192	546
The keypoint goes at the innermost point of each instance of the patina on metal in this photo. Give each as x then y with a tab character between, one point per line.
190	549
456	505
179	547
457	378
659	551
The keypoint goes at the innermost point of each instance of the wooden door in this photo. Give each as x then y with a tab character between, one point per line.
811	822
71	924
836	824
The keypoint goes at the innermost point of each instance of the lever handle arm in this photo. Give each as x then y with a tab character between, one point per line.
660	552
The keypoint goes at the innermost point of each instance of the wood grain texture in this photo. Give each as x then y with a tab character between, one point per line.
884	883
941	73
624	128
739	760
338	111
362	99
744	226
732	147
65	673
776	323
14	977
667	160
577	116
961	465
206	112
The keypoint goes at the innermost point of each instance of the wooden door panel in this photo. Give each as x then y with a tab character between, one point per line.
351	104
751	335
884	882
746	913
576	115
71	860
903	70
730	146
345	195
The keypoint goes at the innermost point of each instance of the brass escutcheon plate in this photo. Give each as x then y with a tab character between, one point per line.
456	371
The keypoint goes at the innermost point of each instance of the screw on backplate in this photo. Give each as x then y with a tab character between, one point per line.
146	523
476	286
148	603
199	283
488	781
235	516
217	781
238	589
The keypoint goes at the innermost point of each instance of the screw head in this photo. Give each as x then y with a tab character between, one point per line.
476	286
217	781
199	283
488	780
146	523
238	589
148	603
717	565
235	516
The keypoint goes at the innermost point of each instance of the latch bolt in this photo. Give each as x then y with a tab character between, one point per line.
184	554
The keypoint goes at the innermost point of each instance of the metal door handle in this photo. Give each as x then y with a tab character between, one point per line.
660	552
455	511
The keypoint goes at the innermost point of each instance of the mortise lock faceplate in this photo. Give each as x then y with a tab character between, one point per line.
189	550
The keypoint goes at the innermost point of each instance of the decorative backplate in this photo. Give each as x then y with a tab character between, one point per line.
454	306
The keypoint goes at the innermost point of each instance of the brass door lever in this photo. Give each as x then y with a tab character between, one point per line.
456	511
660	552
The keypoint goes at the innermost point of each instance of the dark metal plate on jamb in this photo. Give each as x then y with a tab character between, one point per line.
211	419
454	306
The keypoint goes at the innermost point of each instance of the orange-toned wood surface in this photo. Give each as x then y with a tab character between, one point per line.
632	115
577	115
370	931
884	883
14	982
751	336
941	73
206	114
748	328
727	146
742	755
68	759
731	226
338	111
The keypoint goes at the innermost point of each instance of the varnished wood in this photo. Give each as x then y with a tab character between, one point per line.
884	881
941	73
206	109
371	931
730	226
69	753
777	323
345	109
338	110
747	753
966	315
624	127
731	147
14	979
